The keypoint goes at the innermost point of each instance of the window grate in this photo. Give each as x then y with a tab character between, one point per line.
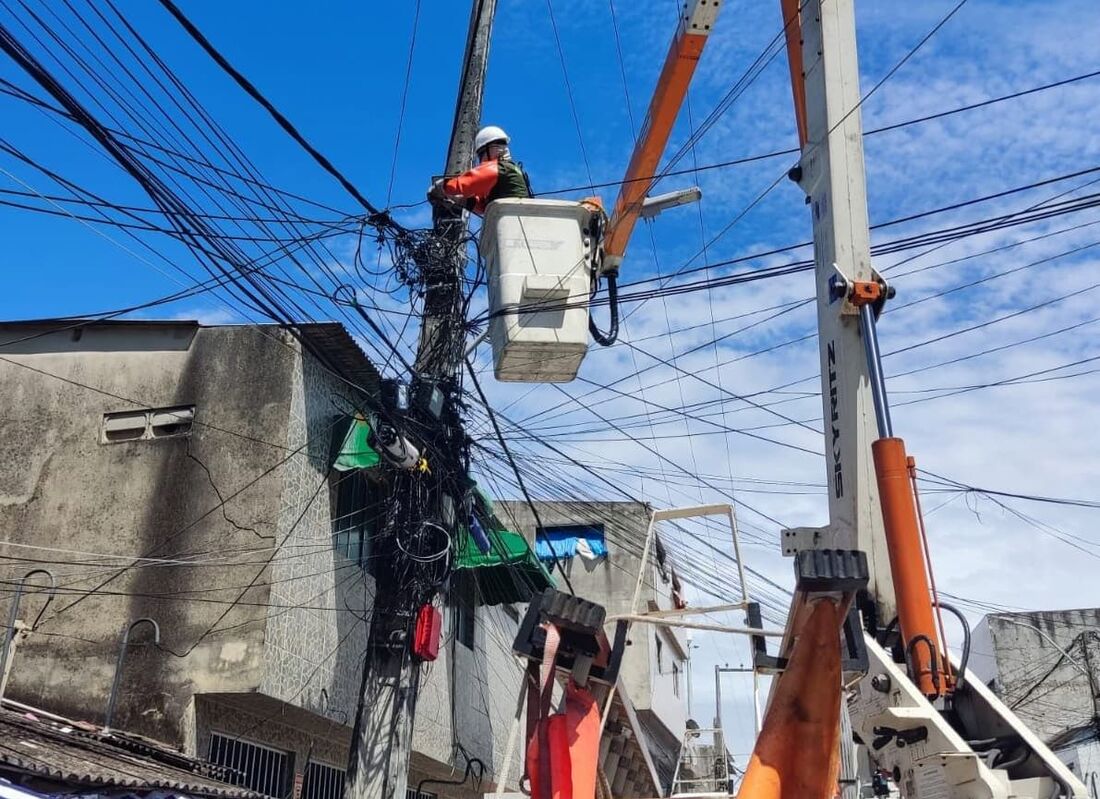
323	782
412	793
354	516
253	766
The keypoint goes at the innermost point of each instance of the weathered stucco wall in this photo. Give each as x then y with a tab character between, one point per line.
320	600
468	698
1045	665
282	664
84	508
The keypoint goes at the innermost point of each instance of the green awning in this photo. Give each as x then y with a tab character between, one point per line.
509	572
356	451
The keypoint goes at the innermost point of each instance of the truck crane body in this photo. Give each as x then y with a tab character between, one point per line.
918	719
935	733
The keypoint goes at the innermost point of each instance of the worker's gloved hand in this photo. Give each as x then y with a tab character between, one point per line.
436	193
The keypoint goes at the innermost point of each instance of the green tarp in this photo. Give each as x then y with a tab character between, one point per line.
356	451
509	572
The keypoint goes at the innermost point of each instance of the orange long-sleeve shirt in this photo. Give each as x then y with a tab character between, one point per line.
488	181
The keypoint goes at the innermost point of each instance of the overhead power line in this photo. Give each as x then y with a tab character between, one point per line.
381	217
750	159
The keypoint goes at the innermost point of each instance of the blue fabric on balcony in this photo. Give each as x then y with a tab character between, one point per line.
565	541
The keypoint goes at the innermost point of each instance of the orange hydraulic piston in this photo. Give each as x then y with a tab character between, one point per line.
908	566
672	87
797	753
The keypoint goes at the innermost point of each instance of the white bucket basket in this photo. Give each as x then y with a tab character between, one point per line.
537	260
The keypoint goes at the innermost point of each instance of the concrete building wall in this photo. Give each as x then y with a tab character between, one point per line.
320	601
65	495
264	627
1044	665
484	682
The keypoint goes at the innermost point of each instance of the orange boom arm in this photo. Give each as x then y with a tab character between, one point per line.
692	32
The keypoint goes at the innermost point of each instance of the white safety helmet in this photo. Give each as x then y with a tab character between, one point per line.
488	135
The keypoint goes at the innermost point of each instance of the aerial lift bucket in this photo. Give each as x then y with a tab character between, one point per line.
538	259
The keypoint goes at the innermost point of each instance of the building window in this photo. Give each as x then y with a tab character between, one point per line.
151	423
354	520
660	654
463	589
322	781
412	793
253	766
565	541
676	679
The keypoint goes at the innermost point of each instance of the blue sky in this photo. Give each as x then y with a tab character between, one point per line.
338	71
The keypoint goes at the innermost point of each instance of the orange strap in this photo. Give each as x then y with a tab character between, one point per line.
540	691
563	749
797	754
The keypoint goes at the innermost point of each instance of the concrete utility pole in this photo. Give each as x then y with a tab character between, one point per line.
442	337
382	740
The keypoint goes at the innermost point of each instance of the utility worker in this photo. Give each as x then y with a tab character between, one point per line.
495	177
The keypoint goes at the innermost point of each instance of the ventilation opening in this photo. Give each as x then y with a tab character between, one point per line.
172	421
124	426
146	424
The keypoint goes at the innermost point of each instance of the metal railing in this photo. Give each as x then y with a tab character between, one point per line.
254	766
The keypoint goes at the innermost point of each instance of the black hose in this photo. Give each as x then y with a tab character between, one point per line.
966	640
606	340
1025	753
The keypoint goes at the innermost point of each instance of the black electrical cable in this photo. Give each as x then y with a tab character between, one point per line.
225	145
174	207
519	476
780	177
569	90
381	218
10	89
794	150
618	491
612	334
404	100
965	657
897	245
952	233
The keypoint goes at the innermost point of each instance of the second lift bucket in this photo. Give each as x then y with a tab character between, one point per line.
537	256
